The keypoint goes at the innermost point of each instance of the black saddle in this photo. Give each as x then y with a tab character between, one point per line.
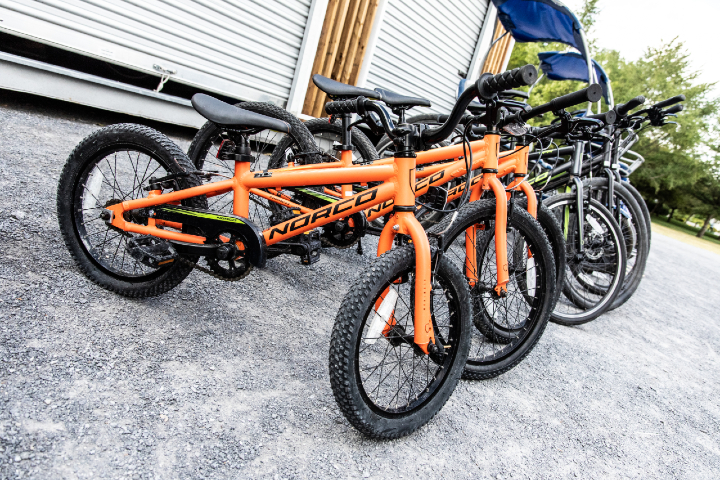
228	115
336	89
395	100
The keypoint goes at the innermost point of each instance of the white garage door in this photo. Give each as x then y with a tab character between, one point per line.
246	49
423	44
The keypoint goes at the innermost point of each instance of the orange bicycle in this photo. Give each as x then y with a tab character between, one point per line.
508	324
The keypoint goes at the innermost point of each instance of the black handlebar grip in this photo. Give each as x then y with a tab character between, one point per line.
489	85
675	109
623	108
593	93
344	106
670	101
608	118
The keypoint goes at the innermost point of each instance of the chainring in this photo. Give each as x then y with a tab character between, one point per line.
346	232
236	266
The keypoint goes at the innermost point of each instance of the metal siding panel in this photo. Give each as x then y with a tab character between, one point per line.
247	49
422	45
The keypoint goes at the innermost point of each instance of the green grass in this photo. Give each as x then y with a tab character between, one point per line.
679	226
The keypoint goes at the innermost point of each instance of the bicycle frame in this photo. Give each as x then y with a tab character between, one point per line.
398	181
485	156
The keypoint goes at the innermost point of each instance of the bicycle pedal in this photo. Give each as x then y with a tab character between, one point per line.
151	251
313	248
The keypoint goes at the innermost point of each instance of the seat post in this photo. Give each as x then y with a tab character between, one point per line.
346	119
346	149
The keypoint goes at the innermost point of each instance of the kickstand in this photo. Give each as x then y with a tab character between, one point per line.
359	247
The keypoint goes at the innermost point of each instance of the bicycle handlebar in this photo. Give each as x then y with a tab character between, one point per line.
673	110
623	108
340	107
670	101
489	85
593	93
608	118
362	106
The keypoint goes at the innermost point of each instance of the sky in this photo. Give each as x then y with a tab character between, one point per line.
631	26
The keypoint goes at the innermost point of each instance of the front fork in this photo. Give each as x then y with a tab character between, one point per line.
490	182
579	199
406	223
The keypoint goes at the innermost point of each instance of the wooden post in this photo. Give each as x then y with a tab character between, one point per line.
499	52
342	45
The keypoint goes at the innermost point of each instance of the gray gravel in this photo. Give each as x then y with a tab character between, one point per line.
229	380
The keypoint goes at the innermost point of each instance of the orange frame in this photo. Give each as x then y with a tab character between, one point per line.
400	187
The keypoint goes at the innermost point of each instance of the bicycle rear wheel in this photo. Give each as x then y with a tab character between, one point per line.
111	166
384	384
643	206
634	229
204	147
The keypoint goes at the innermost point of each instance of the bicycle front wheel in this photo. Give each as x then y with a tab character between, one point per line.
507	328
593	278
384	384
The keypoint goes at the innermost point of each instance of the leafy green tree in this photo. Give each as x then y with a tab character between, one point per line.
707	192
675	156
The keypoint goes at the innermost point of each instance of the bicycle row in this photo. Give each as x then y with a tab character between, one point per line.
481	242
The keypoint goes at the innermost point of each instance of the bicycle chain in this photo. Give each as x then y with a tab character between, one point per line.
213	274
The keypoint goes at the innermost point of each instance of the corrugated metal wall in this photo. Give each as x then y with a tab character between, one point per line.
247	49
423	44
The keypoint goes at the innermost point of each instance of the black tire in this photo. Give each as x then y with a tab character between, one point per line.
81	165
497	345
346	361
321	129
632	224
555	236
210	132
203	149
579	303
643	206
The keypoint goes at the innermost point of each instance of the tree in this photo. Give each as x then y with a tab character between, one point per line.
675	156
707	192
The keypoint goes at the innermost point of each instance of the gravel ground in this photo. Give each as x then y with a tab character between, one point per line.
229	380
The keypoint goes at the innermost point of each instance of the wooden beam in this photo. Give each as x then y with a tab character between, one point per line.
499	53
342	46
322	47
358	30
330	55
347	35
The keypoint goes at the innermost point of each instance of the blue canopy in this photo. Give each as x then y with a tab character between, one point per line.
540	21
572	66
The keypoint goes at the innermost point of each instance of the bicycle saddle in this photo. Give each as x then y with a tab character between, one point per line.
395	100
336	89
228	115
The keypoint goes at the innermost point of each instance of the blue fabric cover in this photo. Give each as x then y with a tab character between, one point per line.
540	21
572	66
